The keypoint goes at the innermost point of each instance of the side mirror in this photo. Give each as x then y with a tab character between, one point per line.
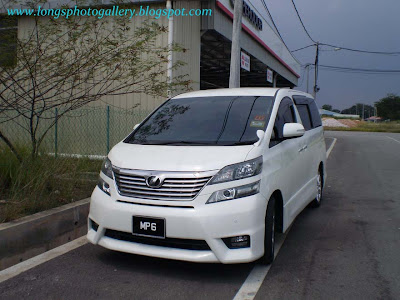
260	135
291	130
136	126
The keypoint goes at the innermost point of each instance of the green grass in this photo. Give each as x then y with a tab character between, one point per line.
370	127
46	182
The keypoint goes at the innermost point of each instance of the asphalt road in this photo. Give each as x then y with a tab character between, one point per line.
349	248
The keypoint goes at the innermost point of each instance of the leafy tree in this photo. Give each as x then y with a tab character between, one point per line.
327	107
68	63
358	108
336	110
389	107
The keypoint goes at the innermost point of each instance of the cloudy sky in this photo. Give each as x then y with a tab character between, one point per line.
361	24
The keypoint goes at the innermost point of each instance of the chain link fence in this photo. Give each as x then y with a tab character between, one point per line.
88	131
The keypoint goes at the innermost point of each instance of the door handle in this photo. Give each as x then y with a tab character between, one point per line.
303	148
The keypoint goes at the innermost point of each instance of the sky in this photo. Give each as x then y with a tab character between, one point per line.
361	24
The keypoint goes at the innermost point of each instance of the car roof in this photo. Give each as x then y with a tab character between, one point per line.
230	92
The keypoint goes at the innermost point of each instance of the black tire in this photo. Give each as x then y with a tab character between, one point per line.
317	201
269	235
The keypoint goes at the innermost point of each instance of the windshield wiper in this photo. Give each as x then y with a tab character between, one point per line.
242	143
180	143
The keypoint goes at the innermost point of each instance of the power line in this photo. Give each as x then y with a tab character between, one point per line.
273	23
301	21
302	48
359	70
335	46
359	50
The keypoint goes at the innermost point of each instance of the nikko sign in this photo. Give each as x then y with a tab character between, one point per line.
250	14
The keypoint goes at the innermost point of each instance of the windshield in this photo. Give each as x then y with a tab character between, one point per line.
225	121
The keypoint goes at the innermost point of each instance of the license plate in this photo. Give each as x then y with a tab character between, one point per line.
148	226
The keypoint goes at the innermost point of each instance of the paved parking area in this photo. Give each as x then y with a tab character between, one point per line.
346	249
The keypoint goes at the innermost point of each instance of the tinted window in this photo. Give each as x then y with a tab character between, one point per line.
285	115
315	117
206	120
305	116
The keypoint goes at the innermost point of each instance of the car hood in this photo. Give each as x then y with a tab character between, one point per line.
176	158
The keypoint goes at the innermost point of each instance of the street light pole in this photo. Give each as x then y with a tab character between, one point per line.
234	76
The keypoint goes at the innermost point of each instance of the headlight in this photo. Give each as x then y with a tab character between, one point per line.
235	193
104	186
239	171
106	168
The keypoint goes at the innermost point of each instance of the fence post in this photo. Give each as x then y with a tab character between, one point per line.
56	135
108	129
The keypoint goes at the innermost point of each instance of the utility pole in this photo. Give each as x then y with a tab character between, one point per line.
363	112
234	76
316	88
308	75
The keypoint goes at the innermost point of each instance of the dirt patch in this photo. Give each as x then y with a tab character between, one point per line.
330	122
350	123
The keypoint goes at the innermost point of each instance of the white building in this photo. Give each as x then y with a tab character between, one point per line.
208	43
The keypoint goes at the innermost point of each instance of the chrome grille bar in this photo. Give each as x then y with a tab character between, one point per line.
176	185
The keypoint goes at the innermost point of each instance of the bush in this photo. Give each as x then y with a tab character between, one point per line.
42	183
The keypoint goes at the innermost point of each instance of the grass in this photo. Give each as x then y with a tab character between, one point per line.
370	127
339	117
46	182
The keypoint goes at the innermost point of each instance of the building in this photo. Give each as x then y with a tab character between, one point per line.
207	38
93	129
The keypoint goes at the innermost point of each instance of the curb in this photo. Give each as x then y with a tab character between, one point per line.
32	235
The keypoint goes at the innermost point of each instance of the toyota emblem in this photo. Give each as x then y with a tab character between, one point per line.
154	182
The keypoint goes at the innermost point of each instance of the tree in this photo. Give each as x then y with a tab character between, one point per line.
327	107
68	63
358	108
389	107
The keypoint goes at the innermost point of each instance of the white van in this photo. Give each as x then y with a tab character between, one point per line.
210	176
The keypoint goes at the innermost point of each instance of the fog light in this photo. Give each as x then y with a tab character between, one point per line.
104	186
95	226
236	242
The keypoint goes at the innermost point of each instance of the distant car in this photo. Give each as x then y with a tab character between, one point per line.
210	176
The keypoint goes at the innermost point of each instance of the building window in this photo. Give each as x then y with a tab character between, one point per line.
8	41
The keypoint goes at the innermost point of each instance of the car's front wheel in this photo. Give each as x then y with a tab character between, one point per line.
269	235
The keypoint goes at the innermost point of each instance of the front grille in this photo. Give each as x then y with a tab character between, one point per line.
167	242
130	184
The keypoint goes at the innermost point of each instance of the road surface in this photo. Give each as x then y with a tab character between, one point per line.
349	248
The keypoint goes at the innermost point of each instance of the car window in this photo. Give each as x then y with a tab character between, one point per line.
284	115
304	115
219	120
315	117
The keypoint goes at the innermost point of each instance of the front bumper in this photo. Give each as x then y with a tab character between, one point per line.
192	220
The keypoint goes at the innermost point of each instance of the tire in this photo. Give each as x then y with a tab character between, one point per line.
269	235
317	201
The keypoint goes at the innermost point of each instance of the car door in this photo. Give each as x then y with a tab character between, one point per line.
291	177
308	152
313	139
